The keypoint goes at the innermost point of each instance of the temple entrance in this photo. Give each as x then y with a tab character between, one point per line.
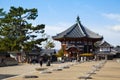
73	53
88	49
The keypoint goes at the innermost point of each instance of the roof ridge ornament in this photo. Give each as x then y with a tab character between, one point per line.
78	19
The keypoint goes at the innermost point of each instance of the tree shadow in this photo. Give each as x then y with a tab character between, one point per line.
3	76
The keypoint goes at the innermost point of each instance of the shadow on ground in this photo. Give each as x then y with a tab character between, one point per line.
3	76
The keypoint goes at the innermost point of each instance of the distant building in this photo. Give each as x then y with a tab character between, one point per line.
78	40
105	47
117	49
37	53
48	52
105	51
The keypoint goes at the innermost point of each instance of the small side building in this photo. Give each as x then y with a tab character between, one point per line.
105	51
37	53
48	54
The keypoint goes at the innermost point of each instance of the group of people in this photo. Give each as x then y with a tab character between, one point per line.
41	62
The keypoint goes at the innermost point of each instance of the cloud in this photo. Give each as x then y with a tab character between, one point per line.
112	16
115	17
110	33
52	30
115	28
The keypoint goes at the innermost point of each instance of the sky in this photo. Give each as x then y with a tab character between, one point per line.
100	16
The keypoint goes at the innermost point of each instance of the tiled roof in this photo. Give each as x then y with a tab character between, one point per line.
47	51
77	31
117	49
105	44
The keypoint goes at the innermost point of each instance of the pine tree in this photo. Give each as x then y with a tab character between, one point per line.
16	31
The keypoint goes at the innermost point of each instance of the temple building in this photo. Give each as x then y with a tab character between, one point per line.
78	40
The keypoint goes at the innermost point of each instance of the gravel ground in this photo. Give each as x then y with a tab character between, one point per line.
22	69
110	71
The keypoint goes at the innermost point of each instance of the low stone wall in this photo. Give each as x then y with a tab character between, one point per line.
8	62
2	64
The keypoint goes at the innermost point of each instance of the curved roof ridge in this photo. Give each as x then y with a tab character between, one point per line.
67	30
91	34
81	28
72	28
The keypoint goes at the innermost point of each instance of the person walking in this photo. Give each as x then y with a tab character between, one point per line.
41	61
48	62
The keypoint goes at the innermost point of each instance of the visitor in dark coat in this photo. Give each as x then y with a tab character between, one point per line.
41	61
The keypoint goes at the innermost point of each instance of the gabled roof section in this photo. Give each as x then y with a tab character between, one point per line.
117	49
105	44
77	31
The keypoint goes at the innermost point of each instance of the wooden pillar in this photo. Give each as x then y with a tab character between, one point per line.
64	49
87	46
92	46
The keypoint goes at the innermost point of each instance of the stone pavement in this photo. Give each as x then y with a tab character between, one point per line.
16	70
22	69
72	73
110	71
